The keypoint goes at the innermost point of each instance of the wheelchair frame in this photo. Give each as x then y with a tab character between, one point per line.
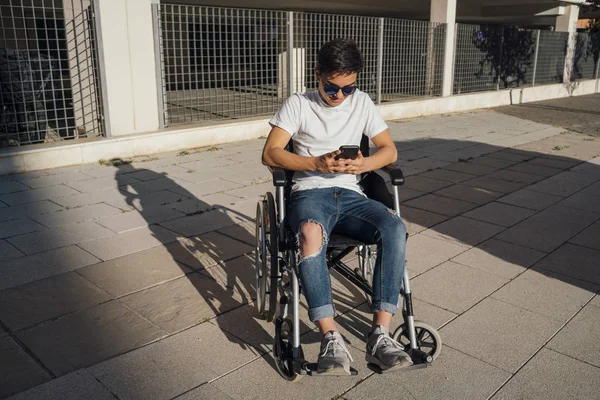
276	247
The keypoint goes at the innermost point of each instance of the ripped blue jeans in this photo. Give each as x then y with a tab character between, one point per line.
349	213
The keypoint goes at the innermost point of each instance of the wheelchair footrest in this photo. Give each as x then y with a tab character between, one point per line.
376	369
311	369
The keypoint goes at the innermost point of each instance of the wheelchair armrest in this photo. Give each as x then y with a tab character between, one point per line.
279	178
395	174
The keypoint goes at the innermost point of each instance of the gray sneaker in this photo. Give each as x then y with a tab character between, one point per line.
385	352
334	357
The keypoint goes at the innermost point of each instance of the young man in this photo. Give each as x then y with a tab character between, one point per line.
326	198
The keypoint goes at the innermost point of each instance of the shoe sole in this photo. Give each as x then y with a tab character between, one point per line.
385	368
334	372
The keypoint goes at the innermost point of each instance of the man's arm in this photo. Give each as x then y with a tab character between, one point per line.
386	154
275	155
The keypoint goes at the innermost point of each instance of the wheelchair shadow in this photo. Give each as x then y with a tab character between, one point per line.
218	263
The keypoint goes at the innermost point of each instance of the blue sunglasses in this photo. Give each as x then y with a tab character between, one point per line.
332	89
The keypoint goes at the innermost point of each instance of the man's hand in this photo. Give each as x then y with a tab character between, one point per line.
356	166
328	164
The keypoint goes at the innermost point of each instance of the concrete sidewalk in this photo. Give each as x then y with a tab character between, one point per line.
135	280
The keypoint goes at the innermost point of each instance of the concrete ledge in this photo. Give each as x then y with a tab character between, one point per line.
73	153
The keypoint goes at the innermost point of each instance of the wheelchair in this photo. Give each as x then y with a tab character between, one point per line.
278	283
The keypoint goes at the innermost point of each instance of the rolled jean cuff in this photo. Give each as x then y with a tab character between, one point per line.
391	308
315	314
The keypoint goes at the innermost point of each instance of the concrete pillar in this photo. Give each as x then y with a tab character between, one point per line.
126	36
444	11
568	23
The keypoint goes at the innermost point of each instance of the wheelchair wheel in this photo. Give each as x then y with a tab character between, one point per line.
283	350
266	258
428	339
260	260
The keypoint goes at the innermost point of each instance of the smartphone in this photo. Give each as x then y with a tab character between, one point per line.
349	152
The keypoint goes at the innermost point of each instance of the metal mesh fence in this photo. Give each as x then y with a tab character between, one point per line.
587	52
552	51
490	57
49	81
224	63
413	59
221	63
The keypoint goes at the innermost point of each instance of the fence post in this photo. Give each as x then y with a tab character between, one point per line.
499	66
101	69
380	60
290	55
535	61
158	57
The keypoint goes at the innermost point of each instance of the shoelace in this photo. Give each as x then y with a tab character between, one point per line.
331	343
388	340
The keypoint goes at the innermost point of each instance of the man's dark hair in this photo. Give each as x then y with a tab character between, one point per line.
339	56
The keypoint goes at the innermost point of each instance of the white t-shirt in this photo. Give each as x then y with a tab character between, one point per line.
317	128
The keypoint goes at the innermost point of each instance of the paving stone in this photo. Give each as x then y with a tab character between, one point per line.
197	298
499	258
463	230
129	242
542	292
554	162
74	386
2	332
550	375
582	201
515	176
537	235
424	184
205	250
470	168
21	226
566	217
46	299
419	220
155	185
12	187
450	377
564	184
596	301
244	232
206	391
126	221
253	191
28	210
424	252
470	194
492	326
495	185
18	371
245	323
441	205
455	287
202	223
500	214
205	203
34	195
493	162
236	274
263	370
535	169
574	261
81	214
87	337
590	237
97	184
579	338
411	155
133	272
53	180
54	262
191	358
61	236
512	155
529	199
447	175
111	196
